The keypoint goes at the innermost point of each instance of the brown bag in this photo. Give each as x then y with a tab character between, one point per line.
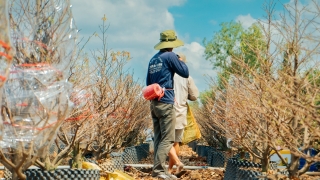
191	131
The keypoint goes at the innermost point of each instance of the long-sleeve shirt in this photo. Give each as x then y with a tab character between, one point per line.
161	70
184	89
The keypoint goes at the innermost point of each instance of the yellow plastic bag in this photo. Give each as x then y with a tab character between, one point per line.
89	165
118	175
191	131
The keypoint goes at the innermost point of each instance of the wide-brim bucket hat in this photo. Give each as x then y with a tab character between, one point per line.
168	39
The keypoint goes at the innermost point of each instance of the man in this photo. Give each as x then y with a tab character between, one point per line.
184	90
161	70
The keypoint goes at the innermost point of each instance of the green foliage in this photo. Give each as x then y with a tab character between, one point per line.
314	78
205	95
223	45
253	46
232	44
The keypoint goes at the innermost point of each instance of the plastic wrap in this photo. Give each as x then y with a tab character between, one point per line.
36	95
36	98
5	45
5	51
81	100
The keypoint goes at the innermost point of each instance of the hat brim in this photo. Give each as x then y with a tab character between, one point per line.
168	44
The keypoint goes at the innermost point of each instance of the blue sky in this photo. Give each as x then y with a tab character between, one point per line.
202	18
135	26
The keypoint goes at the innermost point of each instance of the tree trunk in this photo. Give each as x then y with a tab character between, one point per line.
48	165
18	176
77	156
293	166
17	172
265	162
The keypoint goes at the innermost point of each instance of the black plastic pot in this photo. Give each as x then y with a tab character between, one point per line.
230	173
233	166
202	150
134	154
130	156
142	151
62	174
116	163
193	145
211	150
218	159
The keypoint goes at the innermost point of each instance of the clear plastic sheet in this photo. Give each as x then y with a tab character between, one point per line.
36	98
5	51
5	44
36	95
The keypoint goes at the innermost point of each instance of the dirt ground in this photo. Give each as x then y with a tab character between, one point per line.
190	158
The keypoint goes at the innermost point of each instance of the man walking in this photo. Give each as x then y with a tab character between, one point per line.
162	67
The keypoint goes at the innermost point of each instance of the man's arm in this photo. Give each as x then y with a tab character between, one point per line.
178	66
193	92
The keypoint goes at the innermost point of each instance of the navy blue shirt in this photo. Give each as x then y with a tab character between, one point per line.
161	69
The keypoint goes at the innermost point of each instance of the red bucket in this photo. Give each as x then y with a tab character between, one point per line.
153	91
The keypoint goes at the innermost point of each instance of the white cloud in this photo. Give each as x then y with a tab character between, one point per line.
213	22
132	23
246	20
135	26
199	68
129	20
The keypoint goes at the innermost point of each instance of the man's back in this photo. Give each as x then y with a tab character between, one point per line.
161	69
